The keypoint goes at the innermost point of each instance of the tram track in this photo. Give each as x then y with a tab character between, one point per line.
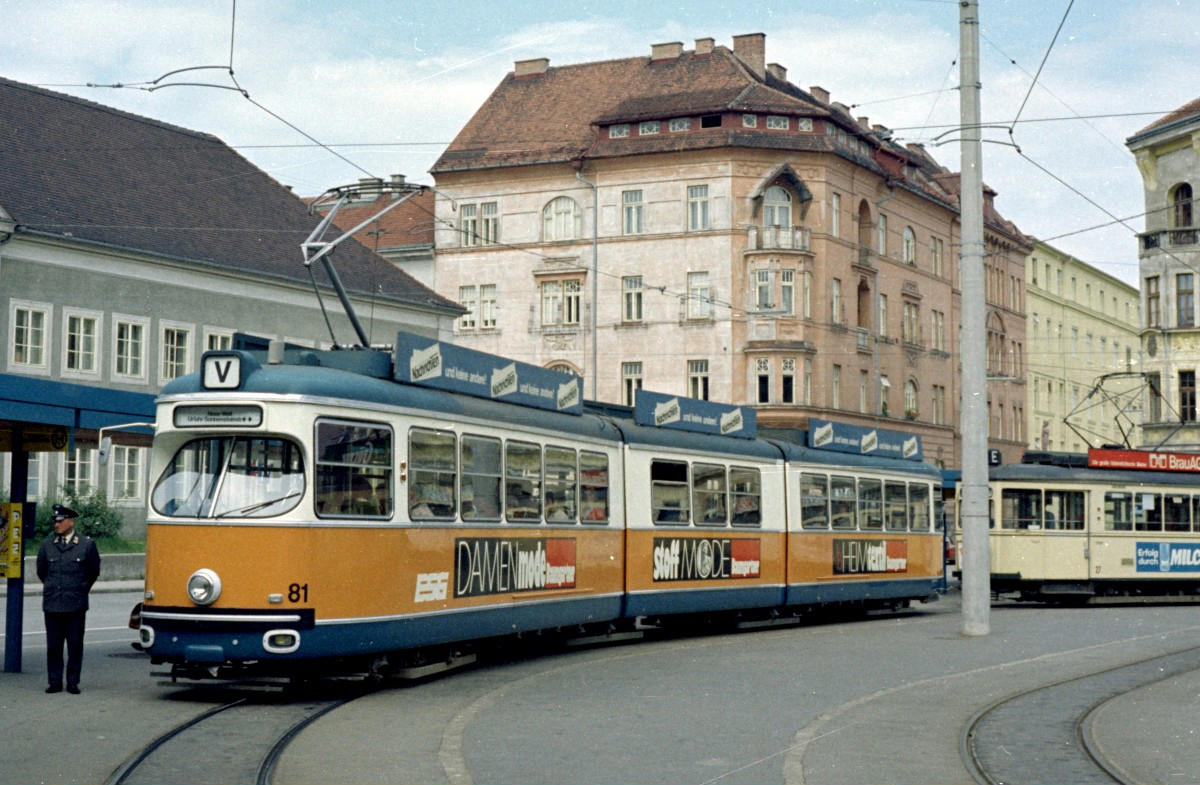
1044	734
239	741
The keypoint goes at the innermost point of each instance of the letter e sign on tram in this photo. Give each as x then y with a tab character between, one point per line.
222	371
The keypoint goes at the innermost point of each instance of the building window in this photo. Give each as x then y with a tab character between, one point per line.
788	378
649	127
885	389
698	208
561	220
910	328
863	387
710	121
835	216
1182	201
631	211
806	294
466	298
939	404
631	288
699	296
218	340
910	246
468	223
808	378
126	473
631	381
79	470
1187	396
561	301
29	336
487	305
698	379
835	304
777	207
79	348
680	123
882	234
1185	299
176	343
787	291
489	227
762	290
883	316
1154	385
911	410
762	372
618	131
835	401
777	122
129	349
749	121
938	329
1153	317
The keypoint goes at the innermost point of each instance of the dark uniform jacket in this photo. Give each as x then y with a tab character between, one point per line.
67	571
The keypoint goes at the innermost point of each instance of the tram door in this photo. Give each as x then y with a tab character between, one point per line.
1066	547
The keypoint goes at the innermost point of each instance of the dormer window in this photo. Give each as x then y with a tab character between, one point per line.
777	122
681	124
619	131
777	207
649	127
710	121
749	121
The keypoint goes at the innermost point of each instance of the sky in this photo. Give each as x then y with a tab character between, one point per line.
339	91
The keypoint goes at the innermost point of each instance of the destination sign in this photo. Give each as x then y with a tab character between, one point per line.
213	416
1143	460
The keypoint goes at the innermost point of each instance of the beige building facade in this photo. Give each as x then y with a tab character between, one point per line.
1168	158
1084	355
693	223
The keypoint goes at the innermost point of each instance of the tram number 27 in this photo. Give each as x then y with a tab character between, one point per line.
298	592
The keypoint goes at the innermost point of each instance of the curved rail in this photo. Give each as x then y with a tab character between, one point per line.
247	741
1043	735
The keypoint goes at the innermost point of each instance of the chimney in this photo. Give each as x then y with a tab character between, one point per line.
397	181
669	51
864	122
777	71
370	185
841	107
819	93
751	49
535	67
704	46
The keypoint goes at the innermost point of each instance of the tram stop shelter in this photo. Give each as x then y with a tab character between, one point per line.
47	415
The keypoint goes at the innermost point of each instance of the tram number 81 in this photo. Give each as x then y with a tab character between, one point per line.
298	592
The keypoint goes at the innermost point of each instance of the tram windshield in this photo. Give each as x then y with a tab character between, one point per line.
231	476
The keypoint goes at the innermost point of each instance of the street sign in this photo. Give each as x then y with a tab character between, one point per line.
10	540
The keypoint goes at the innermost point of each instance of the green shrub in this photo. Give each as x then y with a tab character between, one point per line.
97	518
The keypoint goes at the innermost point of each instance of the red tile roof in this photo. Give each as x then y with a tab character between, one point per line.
1190	109
410	224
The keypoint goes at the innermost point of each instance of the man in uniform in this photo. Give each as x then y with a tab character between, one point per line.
67	564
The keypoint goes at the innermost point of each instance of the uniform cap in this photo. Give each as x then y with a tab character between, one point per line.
62	512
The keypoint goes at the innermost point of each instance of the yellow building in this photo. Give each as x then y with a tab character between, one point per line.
694	223
1083	327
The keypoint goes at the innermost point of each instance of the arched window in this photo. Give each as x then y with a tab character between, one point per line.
910	246
561	220
910	399
1181	198
561	366
777	207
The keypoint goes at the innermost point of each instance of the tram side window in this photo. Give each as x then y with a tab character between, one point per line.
669	492
1020	508
870	505
1196	513
561	506
843	502
354	469
523	482
593	487
1176	513
1147	513
432	474
1066	510
1118	511
814	501
895	508
708	494
939	510
481	467
918	507
745	485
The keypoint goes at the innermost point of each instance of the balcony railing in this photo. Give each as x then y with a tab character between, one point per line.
784	238
1168	238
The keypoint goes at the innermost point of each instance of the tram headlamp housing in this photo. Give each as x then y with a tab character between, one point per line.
204	587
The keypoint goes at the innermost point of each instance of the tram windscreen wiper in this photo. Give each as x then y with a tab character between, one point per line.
258	505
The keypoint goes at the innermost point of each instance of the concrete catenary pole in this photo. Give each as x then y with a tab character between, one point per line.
972	350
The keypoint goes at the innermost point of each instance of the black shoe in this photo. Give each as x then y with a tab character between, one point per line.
54	688
71	688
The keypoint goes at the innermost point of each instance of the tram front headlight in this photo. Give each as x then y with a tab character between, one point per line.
204	587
